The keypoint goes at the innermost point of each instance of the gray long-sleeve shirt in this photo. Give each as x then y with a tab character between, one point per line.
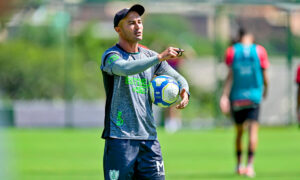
127	76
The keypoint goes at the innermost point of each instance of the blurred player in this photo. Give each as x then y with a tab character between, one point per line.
132	150
298	94
245	86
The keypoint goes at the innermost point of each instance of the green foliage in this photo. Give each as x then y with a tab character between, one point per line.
296	45
201	104
162	31
39	62
42	36
278	45
30	71
88	77
90	46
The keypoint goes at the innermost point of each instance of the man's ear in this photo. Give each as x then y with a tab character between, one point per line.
117	29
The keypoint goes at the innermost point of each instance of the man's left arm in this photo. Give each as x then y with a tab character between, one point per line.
266	82
264	62
165	69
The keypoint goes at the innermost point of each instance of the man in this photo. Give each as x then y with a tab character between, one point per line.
298	94
245	85
132	150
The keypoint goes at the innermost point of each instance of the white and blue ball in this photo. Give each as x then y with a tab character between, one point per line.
164	91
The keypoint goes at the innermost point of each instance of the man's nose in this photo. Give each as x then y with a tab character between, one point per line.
137	26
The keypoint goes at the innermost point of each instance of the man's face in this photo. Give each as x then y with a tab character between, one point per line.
131	27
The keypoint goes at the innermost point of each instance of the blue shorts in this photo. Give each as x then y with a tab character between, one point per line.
126	159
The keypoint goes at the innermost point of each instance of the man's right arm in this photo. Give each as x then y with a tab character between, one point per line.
114	64
224	101
126	68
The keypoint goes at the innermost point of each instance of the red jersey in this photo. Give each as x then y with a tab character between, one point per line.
261	52
298	75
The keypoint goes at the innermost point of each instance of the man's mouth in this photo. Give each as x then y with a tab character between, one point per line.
138	33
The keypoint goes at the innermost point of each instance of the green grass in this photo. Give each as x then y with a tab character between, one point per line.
54	154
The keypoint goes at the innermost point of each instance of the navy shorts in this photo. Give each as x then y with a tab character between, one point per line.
250	114
126	159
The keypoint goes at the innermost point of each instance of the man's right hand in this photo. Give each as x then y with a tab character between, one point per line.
169	53
225	104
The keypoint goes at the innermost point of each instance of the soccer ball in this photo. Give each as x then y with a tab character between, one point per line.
164	91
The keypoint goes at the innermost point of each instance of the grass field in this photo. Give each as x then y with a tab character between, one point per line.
65	154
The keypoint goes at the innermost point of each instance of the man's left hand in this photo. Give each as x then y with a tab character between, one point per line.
184	100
